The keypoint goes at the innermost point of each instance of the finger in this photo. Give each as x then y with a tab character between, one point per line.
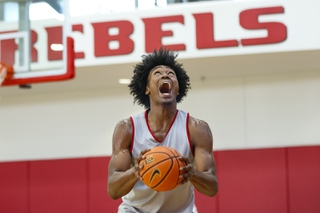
137	173
185	160
138	167
186	167
144	151
185	179
140	157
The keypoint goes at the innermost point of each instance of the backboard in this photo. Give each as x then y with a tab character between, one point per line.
35	40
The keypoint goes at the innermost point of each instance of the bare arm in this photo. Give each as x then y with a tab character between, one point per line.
121	175
203	176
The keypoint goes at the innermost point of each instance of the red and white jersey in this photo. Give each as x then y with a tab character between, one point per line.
178	200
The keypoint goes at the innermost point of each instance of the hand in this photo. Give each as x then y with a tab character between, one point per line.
137	165
189	170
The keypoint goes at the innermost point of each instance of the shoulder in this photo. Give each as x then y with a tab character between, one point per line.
199	130
122	135
128	123
124	126
195	123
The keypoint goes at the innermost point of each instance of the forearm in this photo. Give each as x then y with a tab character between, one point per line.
121	183
205	182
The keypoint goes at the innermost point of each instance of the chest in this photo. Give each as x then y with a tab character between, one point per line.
159	134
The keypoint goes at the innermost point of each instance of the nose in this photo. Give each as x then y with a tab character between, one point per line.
165	75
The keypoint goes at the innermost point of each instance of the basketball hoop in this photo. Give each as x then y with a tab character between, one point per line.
15	49
6	72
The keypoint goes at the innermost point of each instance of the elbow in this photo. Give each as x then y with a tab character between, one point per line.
112	194
210	192
214	191
114	197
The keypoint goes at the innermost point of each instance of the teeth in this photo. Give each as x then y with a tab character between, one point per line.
165	87
166	82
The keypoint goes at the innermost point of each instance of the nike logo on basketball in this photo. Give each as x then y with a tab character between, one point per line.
156	171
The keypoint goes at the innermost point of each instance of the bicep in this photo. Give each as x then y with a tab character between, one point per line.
203	143
121	141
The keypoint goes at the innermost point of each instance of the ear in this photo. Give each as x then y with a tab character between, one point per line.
147	91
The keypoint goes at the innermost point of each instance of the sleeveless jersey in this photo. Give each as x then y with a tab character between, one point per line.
141	197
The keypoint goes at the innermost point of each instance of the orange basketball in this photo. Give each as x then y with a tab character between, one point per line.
161	168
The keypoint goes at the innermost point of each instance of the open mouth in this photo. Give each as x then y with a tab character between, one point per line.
165	87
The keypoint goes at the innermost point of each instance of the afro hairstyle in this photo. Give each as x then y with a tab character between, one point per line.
141	72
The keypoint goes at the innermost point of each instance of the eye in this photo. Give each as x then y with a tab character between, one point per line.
157	72
172	73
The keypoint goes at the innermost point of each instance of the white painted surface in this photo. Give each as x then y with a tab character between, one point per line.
246	112
249	100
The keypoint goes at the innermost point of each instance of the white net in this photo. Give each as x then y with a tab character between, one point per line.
3	73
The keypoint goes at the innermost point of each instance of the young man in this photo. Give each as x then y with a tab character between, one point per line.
158	84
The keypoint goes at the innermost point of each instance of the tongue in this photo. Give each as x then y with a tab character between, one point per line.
165	88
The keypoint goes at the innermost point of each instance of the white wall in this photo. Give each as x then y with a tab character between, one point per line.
244	112
252	97
260	111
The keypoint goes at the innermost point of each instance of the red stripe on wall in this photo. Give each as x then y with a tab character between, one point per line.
100	202
14	187
250	181
287	181
58	186
304	179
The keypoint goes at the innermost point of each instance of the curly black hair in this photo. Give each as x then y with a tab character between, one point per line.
141	72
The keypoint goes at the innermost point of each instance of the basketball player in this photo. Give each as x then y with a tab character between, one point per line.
158	84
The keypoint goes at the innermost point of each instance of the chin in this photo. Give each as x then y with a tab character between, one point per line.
168	102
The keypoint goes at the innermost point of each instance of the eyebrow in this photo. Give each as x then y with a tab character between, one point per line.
160	66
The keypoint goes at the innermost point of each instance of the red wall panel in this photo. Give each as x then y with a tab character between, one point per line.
99	201
304	179
204	203
14	187
252	181
58	186
285	180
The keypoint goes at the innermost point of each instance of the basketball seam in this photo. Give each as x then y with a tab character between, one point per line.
174	157
179	172
155	165
168	171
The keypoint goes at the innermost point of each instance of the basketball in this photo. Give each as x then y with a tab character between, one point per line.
161	168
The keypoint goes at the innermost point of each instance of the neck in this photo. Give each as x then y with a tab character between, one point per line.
162	115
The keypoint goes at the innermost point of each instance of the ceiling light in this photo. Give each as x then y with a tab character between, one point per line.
56	47
124	81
